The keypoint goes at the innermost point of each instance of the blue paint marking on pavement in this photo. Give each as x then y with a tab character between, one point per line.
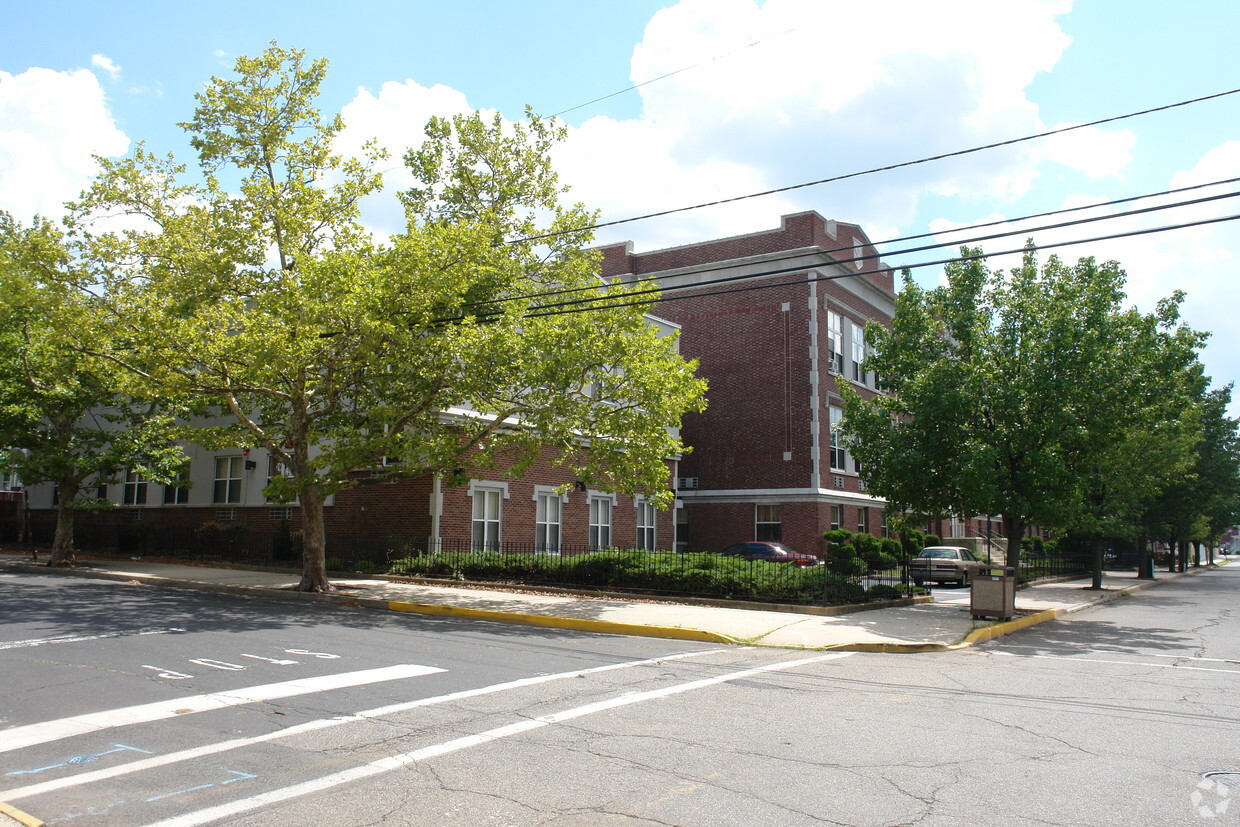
241	776
81	759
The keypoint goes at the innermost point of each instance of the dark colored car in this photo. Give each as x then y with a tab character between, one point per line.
944	564
771	552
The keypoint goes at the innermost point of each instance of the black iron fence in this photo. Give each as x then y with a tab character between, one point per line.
654	572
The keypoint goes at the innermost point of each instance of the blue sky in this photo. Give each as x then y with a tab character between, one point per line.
778	93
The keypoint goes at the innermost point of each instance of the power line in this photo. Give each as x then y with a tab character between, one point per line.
556	310
983	225
673	72
888	168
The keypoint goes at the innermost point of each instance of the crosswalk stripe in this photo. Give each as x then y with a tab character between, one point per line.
42	733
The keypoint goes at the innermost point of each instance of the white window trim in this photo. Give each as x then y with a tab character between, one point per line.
643	505
592	495
488	486
549	491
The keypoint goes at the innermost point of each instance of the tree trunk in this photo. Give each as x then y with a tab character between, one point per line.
1014	530
314	545
1099	552
1145	559
62	546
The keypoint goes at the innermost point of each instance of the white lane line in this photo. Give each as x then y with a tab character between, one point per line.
25	736
19	644
397	761
323	723
1138	663
1143	654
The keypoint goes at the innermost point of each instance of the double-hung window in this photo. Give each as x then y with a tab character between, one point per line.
839	456
548	520
600	521
835	342
135	489
178	494
645	524
228	479
837	517
858	352
768	524
487	515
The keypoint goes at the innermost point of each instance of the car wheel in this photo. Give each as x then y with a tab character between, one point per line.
964	579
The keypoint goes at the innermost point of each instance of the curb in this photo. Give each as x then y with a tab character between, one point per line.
974	637
18	816
1007	627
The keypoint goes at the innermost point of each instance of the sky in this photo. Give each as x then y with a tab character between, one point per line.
732	97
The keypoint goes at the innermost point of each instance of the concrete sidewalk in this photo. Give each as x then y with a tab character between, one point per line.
943	624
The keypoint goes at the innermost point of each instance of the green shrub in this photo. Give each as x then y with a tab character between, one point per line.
933	540
364	566
883	592
334	564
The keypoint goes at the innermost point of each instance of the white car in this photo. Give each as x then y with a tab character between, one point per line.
944	564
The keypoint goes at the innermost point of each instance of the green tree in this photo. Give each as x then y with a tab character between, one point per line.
338	354
1143	438
999	387
63	416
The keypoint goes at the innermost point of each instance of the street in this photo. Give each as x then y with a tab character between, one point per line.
128	705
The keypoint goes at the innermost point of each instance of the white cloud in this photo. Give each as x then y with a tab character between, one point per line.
51	123
107	65
829	89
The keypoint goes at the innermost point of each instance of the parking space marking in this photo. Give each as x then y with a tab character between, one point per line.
19	644
326	723
395	762
41	733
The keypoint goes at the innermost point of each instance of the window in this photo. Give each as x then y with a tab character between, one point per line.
645	524
835	343
863	520
600	522
548	520
486	517
884	529
10	482
858	352
837	517
839	457
176	495
768	524
228	479
276	469
135	489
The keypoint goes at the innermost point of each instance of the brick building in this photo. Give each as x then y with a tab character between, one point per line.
776	318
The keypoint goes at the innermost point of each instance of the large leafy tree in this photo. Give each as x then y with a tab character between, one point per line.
334	352
1004	391
1204	502
63	416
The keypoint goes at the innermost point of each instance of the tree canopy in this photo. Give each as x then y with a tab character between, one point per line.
1033	395
255	286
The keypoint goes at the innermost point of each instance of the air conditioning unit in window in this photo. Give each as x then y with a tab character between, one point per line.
687	482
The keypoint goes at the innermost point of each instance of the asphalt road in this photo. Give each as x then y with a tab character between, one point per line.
132	705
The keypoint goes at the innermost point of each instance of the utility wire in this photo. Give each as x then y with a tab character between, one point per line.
921	249
555	310
888	168
671	73
970	228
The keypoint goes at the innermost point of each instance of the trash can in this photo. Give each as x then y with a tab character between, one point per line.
993	593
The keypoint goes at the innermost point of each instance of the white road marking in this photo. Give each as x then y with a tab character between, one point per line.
397	761
18	644
1138	663
41	733
323	723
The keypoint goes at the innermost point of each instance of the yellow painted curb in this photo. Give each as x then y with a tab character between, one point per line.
17	815
1007	627
576	624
